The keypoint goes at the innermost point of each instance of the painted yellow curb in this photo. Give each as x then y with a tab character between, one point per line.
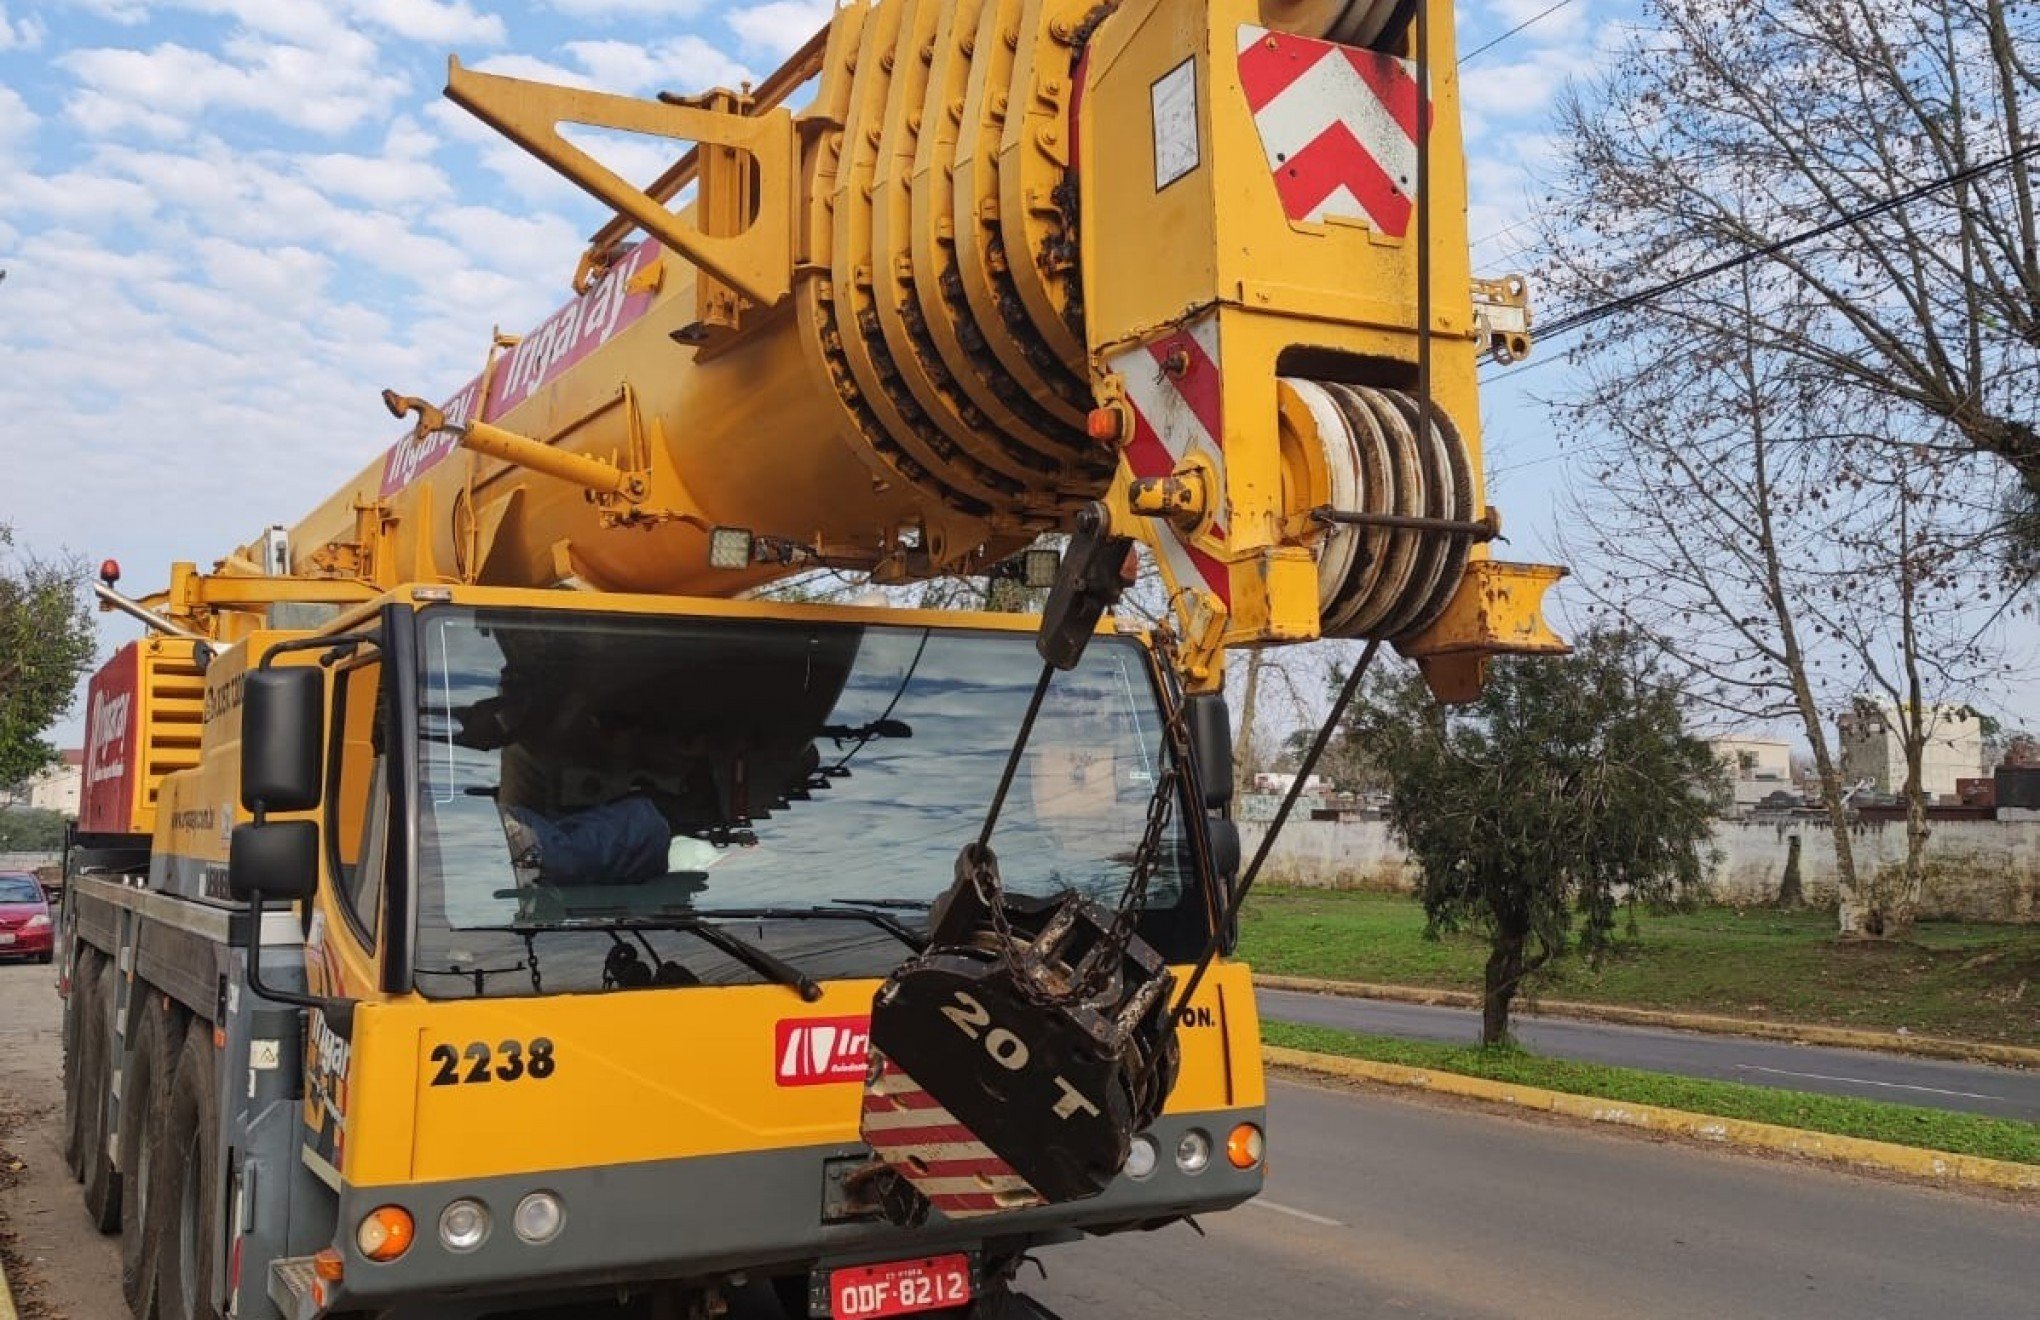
7	1311
1940	1165
1797	1033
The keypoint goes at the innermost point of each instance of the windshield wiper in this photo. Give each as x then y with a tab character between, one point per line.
759	960
891	925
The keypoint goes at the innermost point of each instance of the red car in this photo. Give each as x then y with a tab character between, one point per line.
26	927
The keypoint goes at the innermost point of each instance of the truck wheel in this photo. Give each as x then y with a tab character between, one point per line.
102	1182
84	973
186	1196
144	1093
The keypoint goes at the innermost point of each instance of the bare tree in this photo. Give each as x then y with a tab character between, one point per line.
1876	156
1715	463
1905	600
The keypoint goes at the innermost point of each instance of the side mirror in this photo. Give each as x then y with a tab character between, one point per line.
283	735
274	859
1211	743
1225	860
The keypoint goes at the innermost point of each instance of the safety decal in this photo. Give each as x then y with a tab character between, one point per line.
911	1131
1339	125
1172	385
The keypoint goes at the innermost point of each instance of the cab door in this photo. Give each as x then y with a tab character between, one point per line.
344	938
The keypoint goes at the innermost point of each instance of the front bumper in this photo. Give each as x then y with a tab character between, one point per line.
30	943
757	1214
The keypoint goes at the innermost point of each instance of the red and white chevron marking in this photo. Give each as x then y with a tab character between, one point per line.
921	1141
1176	416
1339	125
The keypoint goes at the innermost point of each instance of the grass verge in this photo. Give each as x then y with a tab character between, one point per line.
1962	980
1905	1125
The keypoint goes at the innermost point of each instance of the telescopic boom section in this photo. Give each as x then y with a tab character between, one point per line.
965	269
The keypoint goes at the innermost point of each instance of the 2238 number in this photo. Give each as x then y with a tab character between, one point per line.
509	1061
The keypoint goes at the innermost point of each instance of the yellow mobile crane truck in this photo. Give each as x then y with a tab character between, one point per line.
486	895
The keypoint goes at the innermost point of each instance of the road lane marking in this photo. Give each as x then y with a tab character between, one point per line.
1263	1203
1865	1081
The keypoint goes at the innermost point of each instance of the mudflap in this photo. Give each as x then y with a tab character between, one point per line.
1013	1062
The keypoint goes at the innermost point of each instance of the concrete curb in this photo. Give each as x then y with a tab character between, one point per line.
1929	1047
1936	1165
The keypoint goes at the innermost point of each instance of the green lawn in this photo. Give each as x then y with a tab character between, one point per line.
1972	982
1933	1129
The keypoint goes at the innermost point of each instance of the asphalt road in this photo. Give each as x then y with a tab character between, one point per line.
1895	1078
1377	1205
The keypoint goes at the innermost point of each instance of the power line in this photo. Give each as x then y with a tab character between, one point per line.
1616	306
1539	17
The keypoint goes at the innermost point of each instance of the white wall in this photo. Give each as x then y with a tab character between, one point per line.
1976	870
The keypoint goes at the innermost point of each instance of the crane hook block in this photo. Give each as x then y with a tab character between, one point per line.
1030	1041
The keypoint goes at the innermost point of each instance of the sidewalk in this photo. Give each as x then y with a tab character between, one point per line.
1930	1047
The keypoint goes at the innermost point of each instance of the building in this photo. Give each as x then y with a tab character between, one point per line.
55	789
1873	748
1757	767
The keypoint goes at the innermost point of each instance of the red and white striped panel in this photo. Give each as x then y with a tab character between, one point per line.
1339	125
921	1141
1176	416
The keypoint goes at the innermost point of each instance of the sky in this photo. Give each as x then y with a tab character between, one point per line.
228	224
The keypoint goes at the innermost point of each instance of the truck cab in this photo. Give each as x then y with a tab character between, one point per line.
589	896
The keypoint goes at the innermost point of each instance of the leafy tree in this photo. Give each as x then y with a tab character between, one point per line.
30	829
46	640
1570	786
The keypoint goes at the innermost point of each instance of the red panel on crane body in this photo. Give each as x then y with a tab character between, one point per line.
112	714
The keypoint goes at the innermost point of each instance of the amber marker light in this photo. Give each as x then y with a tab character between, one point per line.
1245	1146
1103	425
326	1263
385	1233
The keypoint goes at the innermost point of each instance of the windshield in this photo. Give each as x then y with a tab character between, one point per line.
19	889
610	770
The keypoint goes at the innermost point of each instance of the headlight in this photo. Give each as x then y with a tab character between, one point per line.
37	922
1141	1158
464	1225
538	1217
1193	1152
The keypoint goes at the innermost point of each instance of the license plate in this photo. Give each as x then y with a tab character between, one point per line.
901	1287
6	937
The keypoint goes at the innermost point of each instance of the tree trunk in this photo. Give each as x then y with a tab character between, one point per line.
1791	890
1504	974
1247	756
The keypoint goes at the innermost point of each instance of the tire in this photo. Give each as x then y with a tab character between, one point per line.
84	973
186	1193
144	1093
46	957
102	1181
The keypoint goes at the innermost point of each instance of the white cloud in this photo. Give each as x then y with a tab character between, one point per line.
385	180
519	65
616	9
684	64
18	123
125	12
164	91
778	27
25	35
430	21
